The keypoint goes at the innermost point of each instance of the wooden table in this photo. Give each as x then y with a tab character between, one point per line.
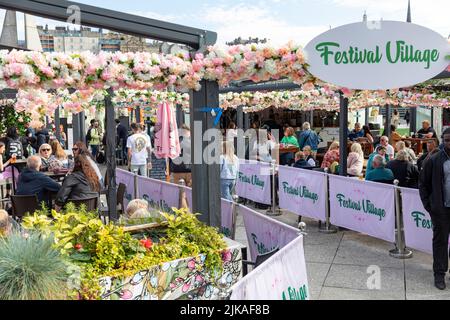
417	143
289	149
56	176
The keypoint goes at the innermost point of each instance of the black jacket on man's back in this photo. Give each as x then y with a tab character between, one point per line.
431	184
33	182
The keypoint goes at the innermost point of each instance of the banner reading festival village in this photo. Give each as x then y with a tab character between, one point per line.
159	194
302	192
377	55
281	277
363	206
265	234
253	181
127	178
416	222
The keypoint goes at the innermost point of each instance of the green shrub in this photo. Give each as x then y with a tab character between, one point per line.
30	269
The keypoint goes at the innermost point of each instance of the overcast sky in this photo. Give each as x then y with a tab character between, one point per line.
277	20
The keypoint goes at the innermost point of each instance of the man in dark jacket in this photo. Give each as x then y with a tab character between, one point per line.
431	146
404	171
300	161
33	182
122	136
434	187
42	137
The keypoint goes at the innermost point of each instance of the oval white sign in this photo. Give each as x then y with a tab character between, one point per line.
377	55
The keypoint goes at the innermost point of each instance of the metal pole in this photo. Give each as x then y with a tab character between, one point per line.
205	170
400	251
366	117
82	124
179	116
138	114
328	229
343	135
135	181
240	117
413	119
273	211
110	156
57	124
387	123
234	217
76	127
182	184
312	118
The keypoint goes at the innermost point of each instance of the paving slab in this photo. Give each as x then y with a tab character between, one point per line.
317	273
359	249
357	277
331	293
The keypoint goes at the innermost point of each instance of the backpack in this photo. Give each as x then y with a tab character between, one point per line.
100	157
88	136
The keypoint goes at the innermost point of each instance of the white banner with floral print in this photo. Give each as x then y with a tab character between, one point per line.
282	277
253	181
265	234
303	192
181	279
363	206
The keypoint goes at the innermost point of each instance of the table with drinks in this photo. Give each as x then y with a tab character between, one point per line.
417	143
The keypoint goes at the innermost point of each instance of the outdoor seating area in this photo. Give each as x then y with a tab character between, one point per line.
148	160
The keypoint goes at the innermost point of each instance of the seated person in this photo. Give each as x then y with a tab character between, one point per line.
139	209
431	146
379	172
300	161
331	156
411	151
60	161
401	146
427	131
395	136
289	139
308	156
45	152
404	171
380	150
355	160
5	224
33	182
82	183
356	133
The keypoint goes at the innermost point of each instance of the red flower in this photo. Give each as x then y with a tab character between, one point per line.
147	243
78	246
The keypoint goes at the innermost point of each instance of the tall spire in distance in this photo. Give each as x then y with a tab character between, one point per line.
408	17
365	16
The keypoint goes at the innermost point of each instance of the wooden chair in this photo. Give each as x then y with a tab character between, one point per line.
121	190
90	203
23	205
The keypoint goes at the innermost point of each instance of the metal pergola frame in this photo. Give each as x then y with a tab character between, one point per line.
205	196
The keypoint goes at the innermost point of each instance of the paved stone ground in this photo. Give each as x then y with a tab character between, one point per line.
337	266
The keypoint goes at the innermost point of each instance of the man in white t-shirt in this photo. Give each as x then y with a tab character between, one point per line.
384	141
139	150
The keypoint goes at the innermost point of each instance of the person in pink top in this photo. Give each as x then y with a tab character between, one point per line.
331	156
355	160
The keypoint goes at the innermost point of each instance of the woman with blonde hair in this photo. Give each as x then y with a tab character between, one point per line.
401	146
45	152
5	224
229	166
355	160
60	160
331	156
